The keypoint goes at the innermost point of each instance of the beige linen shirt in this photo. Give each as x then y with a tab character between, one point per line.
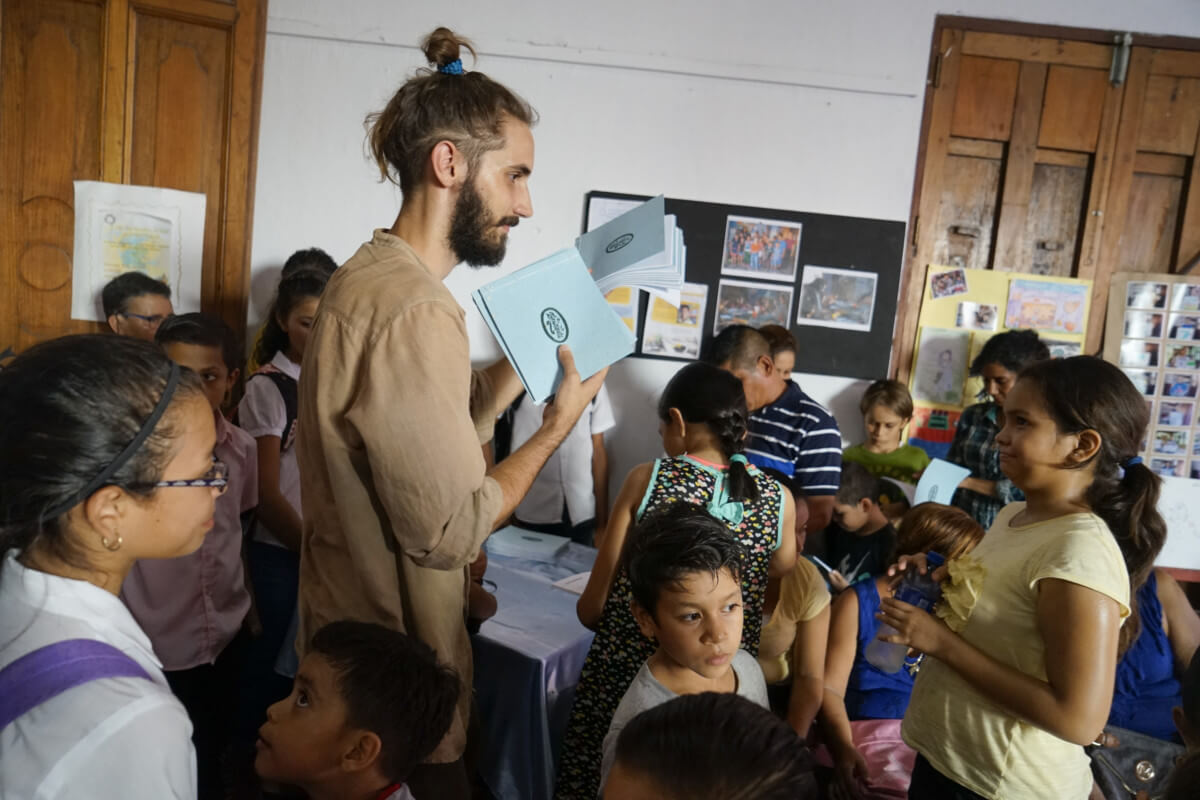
395	493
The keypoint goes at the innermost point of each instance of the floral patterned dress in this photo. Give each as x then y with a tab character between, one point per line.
619	648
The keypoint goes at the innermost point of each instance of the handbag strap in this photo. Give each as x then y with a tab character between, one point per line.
47	672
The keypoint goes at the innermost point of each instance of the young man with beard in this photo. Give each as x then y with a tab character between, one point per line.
397	499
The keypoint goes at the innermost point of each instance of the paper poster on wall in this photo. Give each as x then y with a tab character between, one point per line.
978	316
753	304
941	366
932	429
764	249
836	298
676	331
1061	349
120	228
624	301
948	283
1178	505
1046	306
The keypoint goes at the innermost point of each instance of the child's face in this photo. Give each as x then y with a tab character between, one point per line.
306	733
1031	447
883	428
852	517
208	363
698	622
298	323
785	361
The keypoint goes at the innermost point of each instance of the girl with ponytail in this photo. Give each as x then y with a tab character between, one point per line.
702	421
1020	675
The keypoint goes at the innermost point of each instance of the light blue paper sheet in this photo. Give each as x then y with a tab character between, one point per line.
938	482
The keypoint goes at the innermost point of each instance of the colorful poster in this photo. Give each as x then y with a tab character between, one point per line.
624	301
932	430
1047	306
941	366
672	331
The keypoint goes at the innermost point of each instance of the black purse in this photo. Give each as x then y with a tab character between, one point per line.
1137	763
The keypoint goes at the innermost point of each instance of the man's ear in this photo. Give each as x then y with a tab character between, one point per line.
363	753
447	166
112	323
765	366
645	621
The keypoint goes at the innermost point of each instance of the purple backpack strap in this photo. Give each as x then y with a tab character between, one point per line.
49	671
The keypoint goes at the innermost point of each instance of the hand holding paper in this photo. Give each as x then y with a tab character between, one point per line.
939	481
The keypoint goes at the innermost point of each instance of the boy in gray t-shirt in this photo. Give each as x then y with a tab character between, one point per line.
684	570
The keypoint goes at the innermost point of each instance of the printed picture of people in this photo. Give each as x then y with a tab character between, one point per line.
948	283
1176	384
1141	294
1145	380
761	248
1063	349
1167	467
977	316
1181	356
1175	414
1171	443
1143	324
1184	326
1186	297
1136	353
753	304
941	366
836	298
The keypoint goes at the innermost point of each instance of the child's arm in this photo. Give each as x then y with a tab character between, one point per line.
1080	627
591	603
784	557
274	510
808	664
1182	623
849	765
600	479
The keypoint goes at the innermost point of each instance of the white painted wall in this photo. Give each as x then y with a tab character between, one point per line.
798	104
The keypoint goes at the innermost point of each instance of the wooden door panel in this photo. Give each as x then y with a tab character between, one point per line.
1072	107
1148	238
50	96
1170	116
963	231
983	104
1052	227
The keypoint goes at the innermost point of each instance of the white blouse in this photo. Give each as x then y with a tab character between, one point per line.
118	738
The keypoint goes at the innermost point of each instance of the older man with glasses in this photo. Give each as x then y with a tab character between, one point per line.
136	304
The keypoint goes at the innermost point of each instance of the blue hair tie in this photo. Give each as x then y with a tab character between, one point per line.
1129	462
739	459
453	68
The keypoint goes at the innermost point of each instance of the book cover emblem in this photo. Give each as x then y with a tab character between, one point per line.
555	325
619	242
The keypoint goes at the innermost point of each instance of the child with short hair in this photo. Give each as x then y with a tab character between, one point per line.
192	607
887	409
783	348
684	570
1019	676
860	541
367	706
709	746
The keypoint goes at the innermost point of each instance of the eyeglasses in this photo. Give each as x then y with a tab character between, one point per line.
216	478
153	319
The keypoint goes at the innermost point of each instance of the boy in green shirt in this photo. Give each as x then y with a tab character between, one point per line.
887	408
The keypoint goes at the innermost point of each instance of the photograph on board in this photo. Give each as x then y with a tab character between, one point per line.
1186	297
1060	348
1171	443
1194	472
948	283
1179	384
1146	294
977	316
1146	380
1182	356
765	249
1144	324
1184	326
1167	467
1137	353
753	304
675	331
941	366
1175	413
836	298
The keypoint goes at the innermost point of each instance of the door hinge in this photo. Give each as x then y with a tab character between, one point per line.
1122	42
916	227
935	72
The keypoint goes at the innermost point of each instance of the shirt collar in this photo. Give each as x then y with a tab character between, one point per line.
991	412
224	428
286	366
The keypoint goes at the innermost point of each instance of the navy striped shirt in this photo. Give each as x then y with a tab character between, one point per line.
798	437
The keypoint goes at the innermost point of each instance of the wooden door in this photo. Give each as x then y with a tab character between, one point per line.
153	92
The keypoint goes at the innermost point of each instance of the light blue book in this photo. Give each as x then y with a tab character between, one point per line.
550	303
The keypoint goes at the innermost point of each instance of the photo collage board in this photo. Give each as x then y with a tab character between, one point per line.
1153	335
832	281
961	310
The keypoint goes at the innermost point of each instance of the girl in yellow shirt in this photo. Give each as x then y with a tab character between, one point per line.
1020	673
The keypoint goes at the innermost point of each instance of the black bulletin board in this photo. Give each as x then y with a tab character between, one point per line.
826	240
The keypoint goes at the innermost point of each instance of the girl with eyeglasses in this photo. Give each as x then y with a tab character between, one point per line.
106	457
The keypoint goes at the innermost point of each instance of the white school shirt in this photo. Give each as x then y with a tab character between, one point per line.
567	476
262	412
109	739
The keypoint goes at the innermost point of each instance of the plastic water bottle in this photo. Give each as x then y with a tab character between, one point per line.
915	589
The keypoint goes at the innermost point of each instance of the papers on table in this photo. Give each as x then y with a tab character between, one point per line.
938	482
552	302
575	584
642	247
514	542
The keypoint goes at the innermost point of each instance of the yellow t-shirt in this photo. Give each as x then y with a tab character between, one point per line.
969	738
802	596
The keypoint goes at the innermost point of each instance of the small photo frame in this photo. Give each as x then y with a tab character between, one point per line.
1175	413
1139	353
1170	443
765	249
1167	467
1186	297
1185	327
948	283
1144	324
753	304
1146	380
1182	356
1146	294
1179	384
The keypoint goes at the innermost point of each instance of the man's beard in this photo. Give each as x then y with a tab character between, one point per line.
471	229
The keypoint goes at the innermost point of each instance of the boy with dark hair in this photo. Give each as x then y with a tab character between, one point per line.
860	540
368	705
710	746
136	304
193	607
684	570
309	258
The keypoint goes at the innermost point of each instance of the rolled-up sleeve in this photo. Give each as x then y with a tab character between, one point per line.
412	411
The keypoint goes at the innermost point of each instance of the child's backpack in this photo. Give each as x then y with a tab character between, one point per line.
289	391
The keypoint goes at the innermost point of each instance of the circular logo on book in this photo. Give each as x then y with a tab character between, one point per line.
555	325
619	242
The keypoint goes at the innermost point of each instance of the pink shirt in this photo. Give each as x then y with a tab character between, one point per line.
191	607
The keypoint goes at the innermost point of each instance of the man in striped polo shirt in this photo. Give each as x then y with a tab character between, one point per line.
788	429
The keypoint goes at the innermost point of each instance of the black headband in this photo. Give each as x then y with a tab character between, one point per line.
142	435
